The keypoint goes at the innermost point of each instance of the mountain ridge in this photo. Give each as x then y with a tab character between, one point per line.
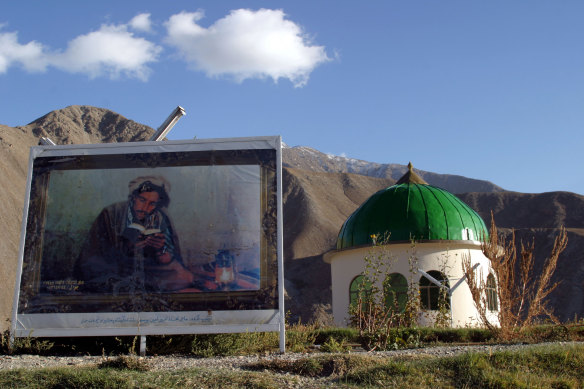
307	158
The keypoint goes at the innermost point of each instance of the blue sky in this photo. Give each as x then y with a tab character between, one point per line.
489	90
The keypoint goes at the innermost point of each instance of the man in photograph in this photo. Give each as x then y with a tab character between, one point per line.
132	245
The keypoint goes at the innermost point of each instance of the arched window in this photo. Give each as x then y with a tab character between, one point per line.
430	294
491	290
359	284
396	291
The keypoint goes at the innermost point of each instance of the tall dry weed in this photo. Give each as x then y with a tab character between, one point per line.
521	293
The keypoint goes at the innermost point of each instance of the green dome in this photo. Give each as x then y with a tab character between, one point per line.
411	209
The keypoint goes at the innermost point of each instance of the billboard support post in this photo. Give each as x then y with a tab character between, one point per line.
162	131
142	345
281	251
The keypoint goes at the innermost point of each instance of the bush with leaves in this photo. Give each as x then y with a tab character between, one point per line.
370	312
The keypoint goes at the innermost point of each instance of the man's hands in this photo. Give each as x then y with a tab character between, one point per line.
156	241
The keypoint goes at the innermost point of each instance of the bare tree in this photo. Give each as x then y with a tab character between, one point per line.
521	294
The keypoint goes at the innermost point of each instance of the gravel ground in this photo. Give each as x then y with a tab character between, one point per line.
237	362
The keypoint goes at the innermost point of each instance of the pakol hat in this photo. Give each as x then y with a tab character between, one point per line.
155	180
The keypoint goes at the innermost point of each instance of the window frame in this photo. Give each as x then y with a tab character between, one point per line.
491	292
430	292
399	288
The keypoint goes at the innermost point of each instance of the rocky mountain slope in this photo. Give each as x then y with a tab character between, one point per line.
72	125
320	192
306	158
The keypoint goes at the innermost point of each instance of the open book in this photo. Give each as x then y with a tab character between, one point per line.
143	230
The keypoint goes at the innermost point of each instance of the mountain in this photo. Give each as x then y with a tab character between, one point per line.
319	192
85	125
74	124
306	158
529	210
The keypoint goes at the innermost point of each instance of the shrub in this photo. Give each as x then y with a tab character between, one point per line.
27	345
125	362
209	345
339	334
394	339
376	309
332	346
300	337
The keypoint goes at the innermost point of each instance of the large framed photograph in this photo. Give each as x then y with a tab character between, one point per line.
152	238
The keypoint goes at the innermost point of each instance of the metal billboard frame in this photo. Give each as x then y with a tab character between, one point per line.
61	324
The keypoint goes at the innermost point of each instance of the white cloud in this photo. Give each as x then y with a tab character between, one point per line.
246	44
110	51
141	22
30	56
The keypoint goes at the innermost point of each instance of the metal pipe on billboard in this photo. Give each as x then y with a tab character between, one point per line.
46	141
167	125
164	128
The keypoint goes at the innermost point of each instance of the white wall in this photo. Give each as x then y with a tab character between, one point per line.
440	256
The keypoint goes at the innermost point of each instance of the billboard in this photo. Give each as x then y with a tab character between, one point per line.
152	238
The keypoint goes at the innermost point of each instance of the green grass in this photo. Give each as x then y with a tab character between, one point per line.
299	338
539	367
114	378
542	366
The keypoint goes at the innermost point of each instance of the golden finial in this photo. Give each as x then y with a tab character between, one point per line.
411	177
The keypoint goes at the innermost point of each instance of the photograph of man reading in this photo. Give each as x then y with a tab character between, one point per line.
183	235
132	245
